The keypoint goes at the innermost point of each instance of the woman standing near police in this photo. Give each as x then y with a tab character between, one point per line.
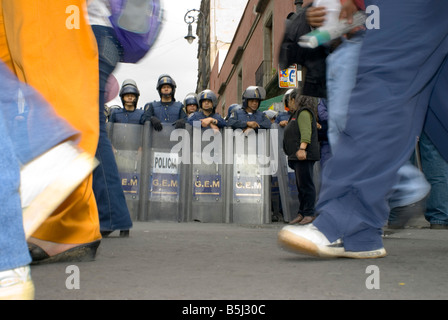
301	145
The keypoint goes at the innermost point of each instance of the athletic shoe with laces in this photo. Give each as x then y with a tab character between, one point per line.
16	284
307	239
49	179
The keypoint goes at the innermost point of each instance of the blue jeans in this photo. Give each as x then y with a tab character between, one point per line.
435	169
342	66
13	247
385	115
112	208
28	128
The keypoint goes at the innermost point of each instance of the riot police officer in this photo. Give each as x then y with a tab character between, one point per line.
232	107
288	102
129	95
206	115
249	117
191	104
167	109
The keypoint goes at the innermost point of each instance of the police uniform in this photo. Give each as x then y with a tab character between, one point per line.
125	116
240	117
197	116
166	112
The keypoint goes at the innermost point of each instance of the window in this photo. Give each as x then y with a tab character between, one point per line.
268	48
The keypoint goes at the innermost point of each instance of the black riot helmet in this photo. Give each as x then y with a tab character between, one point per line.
129	86
166	79
191	99
208	95
253	92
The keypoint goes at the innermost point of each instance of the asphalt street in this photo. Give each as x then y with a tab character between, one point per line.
200	261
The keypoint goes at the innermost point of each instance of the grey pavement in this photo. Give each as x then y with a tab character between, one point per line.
197	261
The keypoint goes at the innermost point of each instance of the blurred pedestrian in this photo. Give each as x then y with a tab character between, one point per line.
407	200
385	115
112	209
61	63
40	167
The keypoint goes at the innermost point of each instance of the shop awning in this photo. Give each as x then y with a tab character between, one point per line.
269	102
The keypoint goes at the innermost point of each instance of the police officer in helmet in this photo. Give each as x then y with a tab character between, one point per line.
249	117
206	115
289	100
129	95
167	109
191	104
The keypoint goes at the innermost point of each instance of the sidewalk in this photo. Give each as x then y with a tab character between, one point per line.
190	261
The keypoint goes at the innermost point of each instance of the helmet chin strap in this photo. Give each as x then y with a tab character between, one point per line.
166	97
133	105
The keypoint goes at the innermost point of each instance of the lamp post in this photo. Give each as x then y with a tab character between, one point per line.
190	17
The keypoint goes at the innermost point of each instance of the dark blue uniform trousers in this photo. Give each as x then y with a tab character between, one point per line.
401	65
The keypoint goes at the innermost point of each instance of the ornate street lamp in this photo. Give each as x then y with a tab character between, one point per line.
190	37
191	17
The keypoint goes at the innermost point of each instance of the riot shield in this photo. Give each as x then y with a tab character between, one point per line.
249	173
165	170
127	142
208	186
286	181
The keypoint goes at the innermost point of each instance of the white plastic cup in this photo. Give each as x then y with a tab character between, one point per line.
333	8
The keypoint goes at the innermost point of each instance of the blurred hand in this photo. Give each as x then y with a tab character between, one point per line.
348	9
301	154
315	16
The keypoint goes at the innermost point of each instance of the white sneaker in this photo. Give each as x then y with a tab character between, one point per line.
16	284
309	240
49	179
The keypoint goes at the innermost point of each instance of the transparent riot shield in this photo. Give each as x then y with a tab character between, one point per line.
165	170
208	186
127	145
250	173
286	180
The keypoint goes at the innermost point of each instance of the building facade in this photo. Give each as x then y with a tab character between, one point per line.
252	56
216	29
